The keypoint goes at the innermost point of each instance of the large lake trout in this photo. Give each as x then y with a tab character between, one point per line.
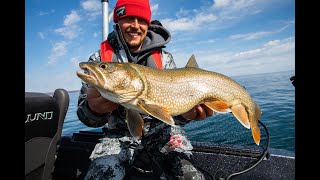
170	92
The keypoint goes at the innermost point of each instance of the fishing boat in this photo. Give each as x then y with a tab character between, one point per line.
51	155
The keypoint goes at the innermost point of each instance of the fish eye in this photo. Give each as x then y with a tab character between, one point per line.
103	66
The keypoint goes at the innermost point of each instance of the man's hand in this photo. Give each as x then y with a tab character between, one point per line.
199	112
97	103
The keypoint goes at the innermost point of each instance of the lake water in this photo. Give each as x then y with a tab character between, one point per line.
273	92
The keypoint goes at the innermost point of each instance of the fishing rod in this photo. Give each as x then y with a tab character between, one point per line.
105	19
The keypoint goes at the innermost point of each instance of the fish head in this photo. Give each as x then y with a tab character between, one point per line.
118	82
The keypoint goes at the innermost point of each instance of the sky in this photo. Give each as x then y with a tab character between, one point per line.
232	37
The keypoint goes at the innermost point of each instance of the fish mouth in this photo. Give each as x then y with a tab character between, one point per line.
90	78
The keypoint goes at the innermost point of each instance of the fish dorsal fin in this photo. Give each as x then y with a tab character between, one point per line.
135	123
192	62
241	114
159	112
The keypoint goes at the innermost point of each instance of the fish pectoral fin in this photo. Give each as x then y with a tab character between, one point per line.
218	106
159	112
135	123
241	114
255	130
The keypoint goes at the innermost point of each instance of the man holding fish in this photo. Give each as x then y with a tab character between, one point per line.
135	40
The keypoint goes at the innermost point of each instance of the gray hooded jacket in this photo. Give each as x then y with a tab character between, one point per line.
117	152
156	38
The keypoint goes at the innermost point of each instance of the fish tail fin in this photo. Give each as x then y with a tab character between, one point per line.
254	125
255	132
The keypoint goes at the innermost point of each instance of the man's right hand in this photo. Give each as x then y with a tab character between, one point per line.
98	103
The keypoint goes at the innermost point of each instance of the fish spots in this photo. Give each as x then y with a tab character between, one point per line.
136	84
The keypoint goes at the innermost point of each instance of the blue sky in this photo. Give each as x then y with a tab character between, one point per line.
232	37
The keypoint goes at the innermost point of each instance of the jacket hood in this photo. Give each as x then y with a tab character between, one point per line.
157	37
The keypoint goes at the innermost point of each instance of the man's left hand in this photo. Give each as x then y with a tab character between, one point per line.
199	112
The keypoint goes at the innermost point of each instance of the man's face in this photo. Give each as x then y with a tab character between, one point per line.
134	30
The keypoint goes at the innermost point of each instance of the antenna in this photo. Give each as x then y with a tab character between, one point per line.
105	19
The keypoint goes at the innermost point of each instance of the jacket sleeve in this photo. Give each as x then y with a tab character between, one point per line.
85	115
170	64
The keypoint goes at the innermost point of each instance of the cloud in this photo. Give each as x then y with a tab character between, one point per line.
70	30
41	35
250	36
187	24
272	56
221	3
75	61
274	48
59	49
41	13
96	34
92	7
154	9
257	35
233	4
215	16
71	18
210	40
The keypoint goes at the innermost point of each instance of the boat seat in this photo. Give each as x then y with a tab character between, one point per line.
44	118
